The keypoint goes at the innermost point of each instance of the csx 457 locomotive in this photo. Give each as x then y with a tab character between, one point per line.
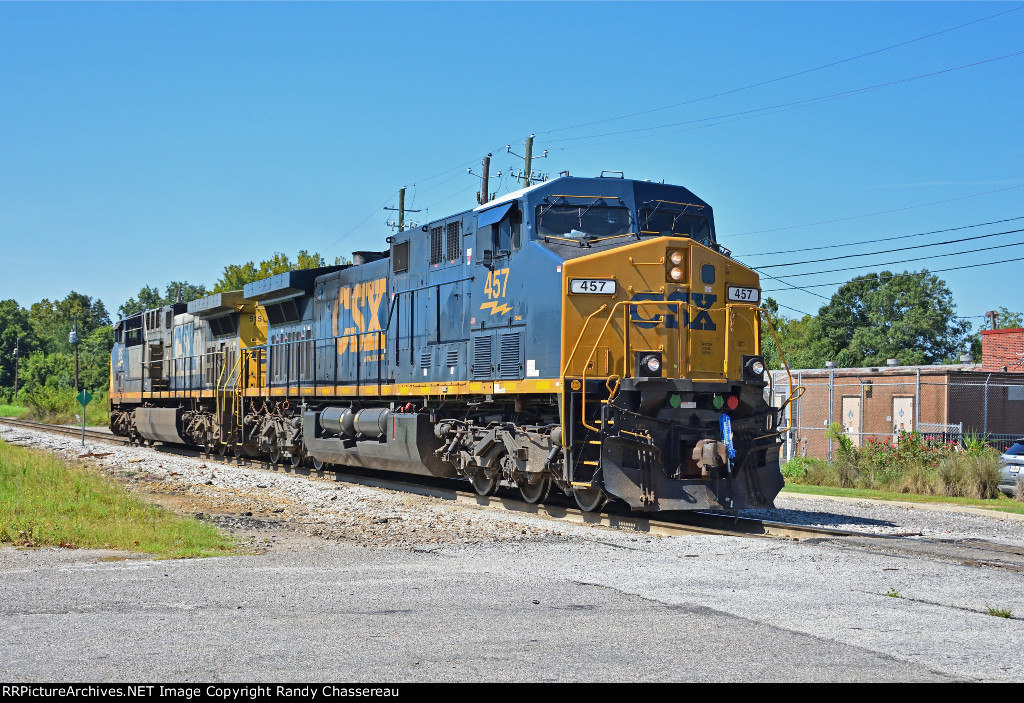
587	334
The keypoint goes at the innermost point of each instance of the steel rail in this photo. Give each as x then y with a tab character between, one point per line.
683	523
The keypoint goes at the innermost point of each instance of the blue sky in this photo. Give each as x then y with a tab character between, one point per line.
142	143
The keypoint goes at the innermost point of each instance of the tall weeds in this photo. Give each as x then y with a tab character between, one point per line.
908	464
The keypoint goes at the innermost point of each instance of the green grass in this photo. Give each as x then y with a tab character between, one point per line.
999	612
894	593
1002	503
12	410
47	501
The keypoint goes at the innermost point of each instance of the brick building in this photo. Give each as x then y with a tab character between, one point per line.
941	401
1002	350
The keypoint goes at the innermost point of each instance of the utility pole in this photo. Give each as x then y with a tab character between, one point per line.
529	161
17	340
527	175
483	196
993	316
401	209
73	341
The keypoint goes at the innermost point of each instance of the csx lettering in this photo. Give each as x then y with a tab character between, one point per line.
667	314
360	303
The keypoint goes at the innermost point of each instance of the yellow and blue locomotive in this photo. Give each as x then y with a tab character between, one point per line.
584	334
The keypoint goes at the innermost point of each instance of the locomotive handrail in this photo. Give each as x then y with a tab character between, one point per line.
626	305
789	375
661	262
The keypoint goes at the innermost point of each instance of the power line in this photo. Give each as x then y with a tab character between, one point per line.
892	251
904	261
783	106
880	212
796	287
883	239
793	309
781	78
900	275
761	112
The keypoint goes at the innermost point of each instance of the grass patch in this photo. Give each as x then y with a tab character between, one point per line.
47	501
894	593
1002	503
7	410
999	612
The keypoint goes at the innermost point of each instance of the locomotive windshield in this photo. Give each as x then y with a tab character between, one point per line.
674	223
582	221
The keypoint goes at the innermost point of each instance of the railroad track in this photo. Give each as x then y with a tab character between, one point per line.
974	553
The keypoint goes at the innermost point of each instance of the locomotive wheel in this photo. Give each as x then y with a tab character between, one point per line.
223	449
297	457
238	451
535	492
590	500
274	454
317	464
484	486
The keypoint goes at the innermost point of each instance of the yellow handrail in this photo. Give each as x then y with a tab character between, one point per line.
626	305
785	365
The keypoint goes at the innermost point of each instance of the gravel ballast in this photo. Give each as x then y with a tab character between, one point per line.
461	593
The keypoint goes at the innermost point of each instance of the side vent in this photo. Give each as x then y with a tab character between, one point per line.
453	233
425	358
509	365
453	358
436	256
482	357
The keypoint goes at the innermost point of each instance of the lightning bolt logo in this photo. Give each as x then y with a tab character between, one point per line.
495	308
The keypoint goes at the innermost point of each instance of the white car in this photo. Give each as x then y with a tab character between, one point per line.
1011	468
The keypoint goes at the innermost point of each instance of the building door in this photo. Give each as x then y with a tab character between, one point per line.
902	414
851	418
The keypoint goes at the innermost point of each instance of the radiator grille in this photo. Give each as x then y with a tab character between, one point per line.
435	246
508	364
482	357
425	359
452	358
454	232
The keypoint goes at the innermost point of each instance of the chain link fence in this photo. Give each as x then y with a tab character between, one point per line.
943	407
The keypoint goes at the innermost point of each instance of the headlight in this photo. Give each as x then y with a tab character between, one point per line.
648	364
676	257
753	367
676	274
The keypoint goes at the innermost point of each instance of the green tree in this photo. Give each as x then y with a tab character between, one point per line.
909	316
94	359
53	321
14	325
149	298
235	276
53	370
184	292
801	346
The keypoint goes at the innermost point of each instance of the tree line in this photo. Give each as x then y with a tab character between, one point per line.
908	316
46	357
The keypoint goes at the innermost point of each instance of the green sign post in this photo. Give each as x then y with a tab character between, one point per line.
84	398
